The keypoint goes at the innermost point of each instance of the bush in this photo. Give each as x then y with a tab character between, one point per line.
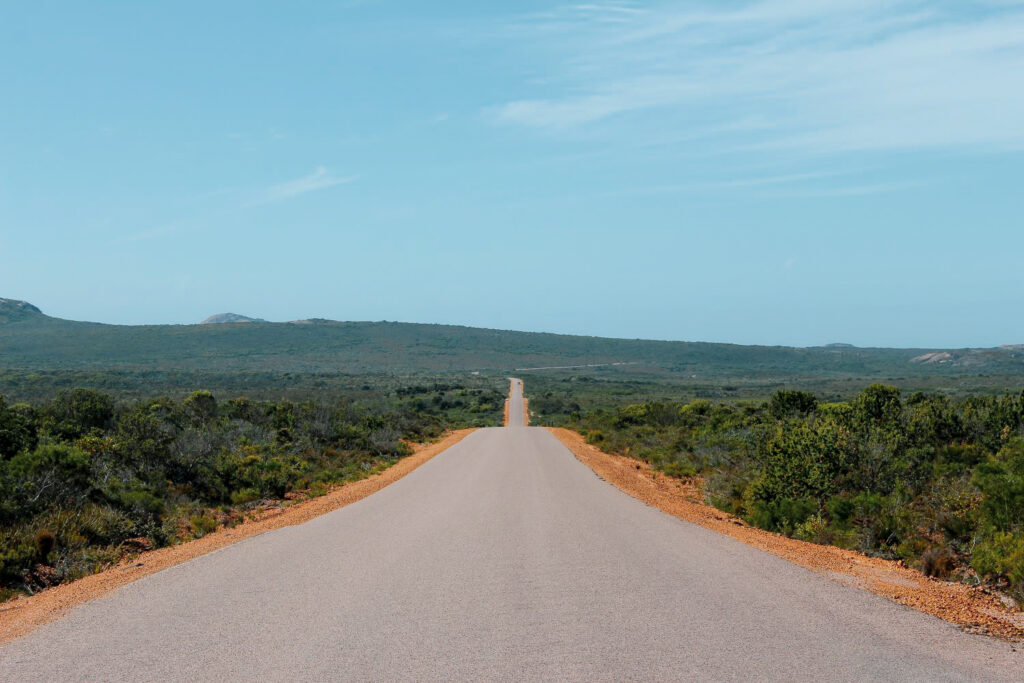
51	475
781	514
17	431
17	557
786	403
1001	481
45	541
938	562
244	496
682	470
74	414
202	524
1001	556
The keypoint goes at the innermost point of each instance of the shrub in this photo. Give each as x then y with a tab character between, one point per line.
45	541
786	403
938	562
202	524
1001	481
17	431
245	496
17	556
1001	556
75	413
682	470
782	514
51	474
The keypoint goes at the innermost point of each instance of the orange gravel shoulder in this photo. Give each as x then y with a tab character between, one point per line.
25	614
972	608
526	412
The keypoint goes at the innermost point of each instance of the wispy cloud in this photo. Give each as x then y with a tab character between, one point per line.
818	184
823	76
227	201
317	180
848	190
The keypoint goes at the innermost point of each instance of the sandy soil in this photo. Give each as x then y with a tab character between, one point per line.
972	608
526	412
25	614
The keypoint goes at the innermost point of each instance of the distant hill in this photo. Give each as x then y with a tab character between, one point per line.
230	318
12	310
31	342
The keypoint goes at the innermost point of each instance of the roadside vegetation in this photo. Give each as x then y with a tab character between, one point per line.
934	481
86	478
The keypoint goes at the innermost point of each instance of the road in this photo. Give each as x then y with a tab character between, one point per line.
501	558
516	408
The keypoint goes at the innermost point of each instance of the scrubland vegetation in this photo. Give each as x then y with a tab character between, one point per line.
86	478
41	354
934	481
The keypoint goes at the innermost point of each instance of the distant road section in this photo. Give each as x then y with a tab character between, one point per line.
501	558
516	404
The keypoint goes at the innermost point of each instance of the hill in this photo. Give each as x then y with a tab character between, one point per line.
31	342
230	318
12	310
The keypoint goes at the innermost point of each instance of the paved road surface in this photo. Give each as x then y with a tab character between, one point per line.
516	416
502	558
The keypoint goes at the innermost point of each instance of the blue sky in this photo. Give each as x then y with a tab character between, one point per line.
775	172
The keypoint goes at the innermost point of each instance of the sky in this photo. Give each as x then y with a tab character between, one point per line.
790	172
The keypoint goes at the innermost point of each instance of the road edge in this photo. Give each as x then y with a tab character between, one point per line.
971	608
24	615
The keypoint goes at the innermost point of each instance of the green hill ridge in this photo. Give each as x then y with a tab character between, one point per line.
31	340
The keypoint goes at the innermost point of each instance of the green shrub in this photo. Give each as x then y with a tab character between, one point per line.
51	475
202	524
682	470
17	430
104	525
780	514
17	557
244	496
1001	556
787	403
1001	481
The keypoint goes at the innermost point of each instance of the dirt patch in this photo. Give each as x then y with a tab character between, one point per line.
526	412
972	608
25	614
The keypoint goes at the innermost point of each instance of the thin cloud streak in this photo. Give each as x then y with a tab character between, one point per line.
834	76
317	180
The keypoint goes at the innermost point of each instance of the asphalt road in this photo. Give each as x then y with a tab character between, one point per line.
516	416
501	558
